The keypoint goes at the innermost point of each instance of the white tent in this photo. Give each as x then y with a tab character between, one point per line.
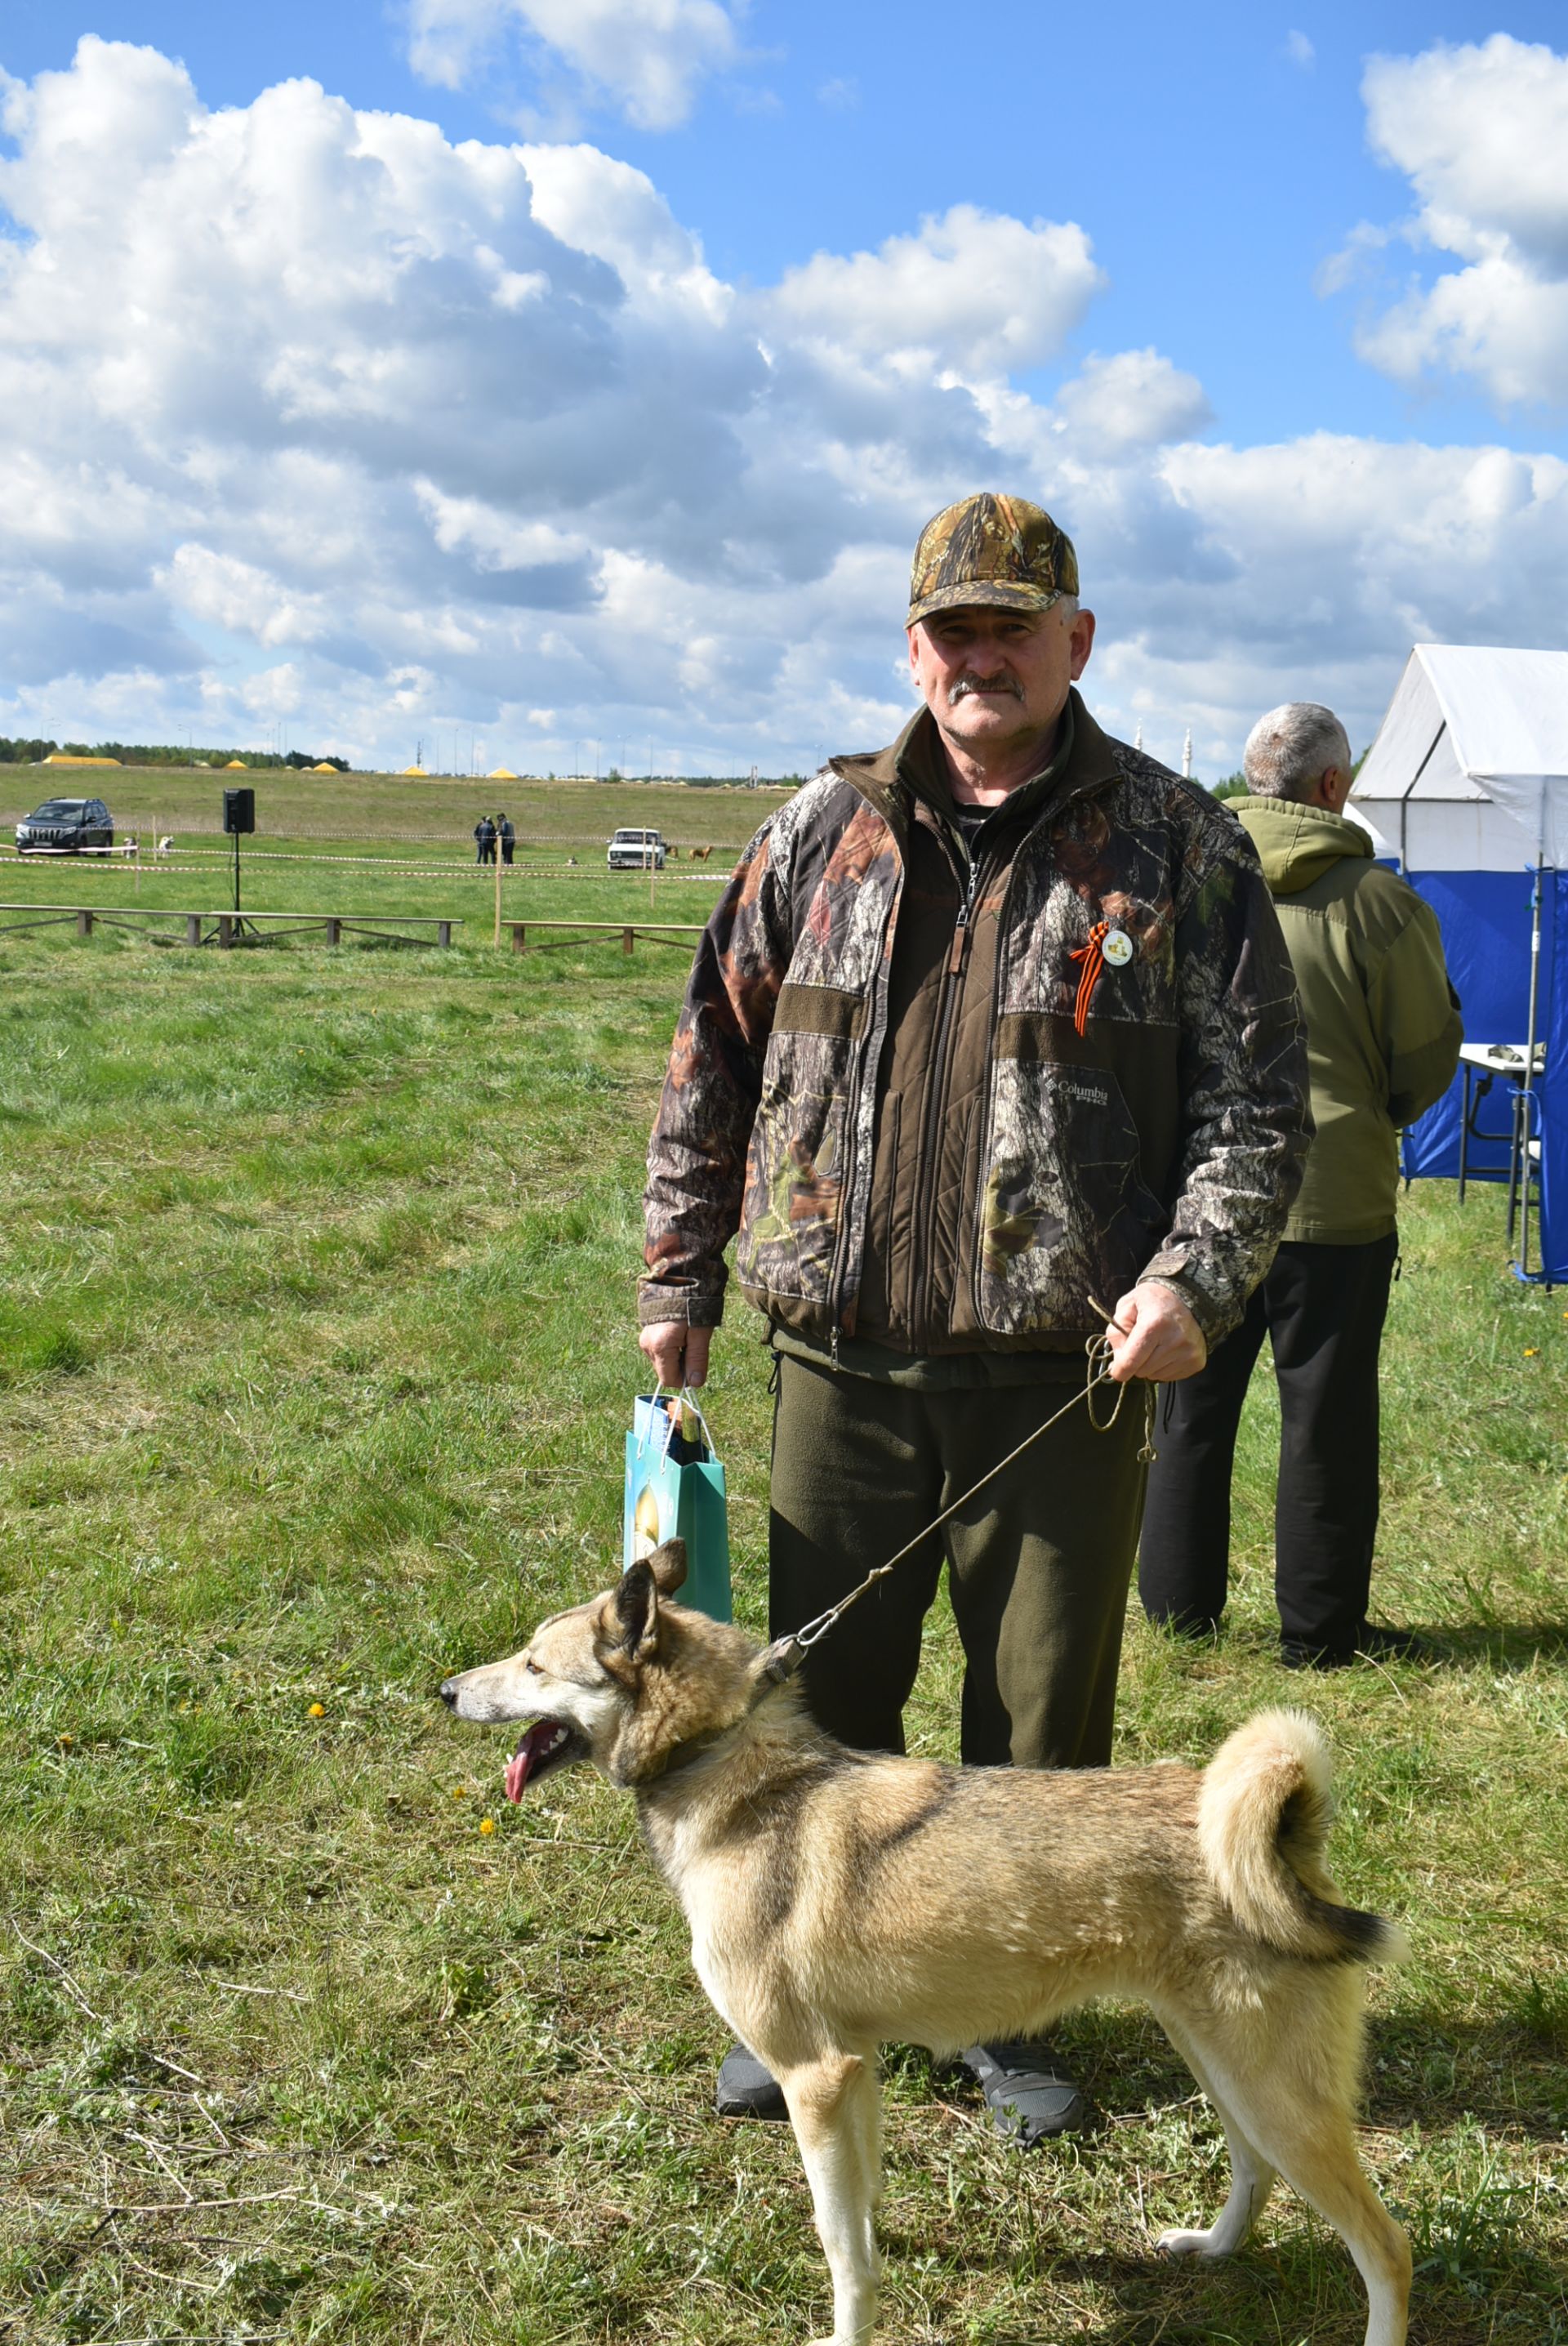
1470	769
1466	786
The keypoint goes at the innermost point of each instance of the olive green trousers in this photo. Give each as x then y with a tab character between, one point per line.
1038	1564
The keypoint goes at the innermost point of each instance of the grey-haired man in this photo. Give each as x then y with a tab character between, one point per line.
1383	1033
987	1025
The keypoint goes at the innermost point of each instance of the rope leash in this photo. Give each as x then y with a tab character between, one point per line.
784	1656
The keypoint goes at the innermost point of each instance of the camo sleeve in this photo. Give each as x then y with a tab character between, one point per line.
1245	1119
696	1155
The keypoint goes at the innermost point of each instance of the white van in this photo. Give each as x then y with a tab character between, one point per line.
636	850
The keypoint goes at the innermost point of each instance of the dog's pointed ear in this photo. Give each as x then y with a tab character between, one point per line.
667	1566
635	1600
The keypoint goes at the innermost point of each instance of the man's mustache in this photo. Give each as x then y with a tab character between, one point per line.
964	685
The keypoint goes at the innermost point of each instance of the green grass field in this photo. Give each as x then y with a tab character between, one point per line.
581	814
315	1355
403	849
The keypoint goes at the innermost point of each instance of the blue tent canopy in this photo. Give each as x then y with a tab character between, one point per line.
1466	789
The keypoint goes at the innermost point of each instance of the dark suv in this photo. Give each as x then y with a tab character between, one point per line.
64	826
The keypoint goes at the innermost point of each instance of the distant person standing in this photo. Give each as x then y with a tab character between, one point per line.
507	836
1383	1032
484	837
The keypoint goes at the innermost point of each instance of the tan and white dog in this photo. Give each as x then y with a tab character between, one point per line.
839	1900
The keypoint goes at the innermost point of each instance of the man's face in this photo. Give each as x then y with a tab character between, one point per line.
991	677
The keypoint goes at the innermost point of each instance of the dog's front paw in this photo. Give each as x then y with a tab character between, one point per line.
1186	2244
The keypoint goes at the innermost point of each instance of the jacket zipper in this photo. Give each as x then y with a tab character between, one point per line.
996	979
936	1095
872	1041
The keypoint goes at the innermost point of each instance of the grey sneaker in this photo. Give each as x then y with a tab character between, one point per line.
747	2088
1030	2096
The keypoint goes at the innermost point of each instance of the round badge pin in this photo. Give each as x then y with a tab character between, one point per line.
1117	948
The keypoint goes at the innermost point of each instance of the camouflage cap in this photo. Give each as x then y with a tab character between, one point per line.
994	550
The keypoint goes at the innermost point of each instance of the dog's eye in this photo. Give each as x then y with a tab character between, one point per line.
533	1670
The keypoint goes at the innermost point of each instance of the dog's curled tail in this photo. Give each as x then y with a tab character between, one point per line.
1263	1816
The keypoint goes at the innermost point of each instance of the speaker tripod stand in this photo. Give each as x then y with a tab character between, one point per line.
238	817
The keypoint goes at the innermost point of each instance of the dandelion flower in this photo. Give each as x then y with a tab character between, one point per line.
487	1824
1531	1351
318	1710
458	1791
67	1741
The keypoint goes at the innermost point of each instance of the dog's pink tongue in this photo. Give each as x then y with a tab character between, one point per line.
520	1767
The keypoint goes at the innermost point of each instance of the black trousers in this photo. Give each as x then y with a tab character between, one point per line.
1322	1309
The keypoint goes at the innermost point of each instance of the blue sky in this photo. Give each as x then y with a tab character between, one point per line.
691	313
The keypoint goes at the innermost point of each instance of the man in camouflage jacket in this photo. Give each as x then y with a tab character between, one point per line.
990	1030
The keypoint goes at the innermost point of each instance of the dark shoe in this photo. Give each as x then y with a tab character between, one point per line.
1031	2097
747	2089
1394	1645
1191	1629
1373	1643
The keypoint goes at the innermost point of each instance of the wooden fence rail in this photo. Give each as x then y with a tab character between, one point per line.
229	929
657	933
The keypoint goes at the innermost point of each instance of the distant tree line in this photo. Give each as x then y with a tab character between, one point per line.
178	753
160	753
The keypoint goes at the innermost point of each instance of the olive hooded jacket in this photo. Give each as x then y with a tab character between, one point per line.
1383	1024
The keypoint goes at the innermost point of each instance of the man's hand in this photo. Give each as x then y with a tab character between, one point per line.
1155	1335
679	1353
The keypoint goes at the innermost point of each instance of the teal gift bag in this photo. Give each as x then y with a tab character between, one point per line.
675	1490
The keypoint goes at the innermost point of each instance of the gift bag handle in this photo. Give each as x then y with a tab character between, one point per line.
688	1398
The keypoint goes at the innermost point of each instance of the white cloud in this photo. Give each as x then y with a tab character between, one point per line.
608	208
1301	51
976	292
1481	132
1134	400
644	58
311	414
237	596
496	541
